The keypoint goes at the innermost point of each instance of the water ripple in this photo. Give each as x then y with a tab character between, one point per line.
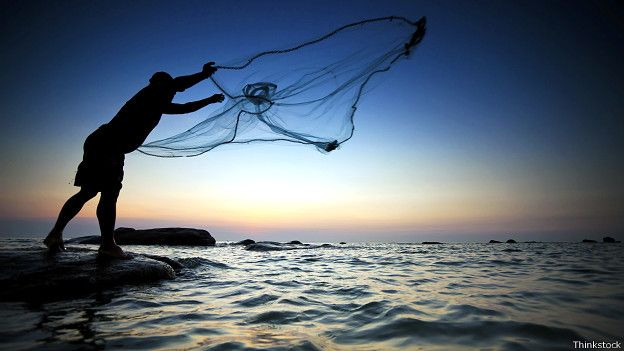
356	296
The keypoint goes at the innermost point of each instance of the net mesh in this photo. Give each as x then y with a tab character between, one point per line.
305	94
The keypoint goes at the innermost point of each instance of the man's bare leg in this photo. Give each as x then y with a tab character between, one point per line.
73	205
106	213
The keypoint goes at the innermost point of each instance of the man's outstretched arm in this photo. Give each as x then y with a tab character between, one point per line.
183	82
177	109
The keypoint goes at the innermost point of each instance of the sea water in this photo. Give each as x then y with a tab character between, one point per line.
360	296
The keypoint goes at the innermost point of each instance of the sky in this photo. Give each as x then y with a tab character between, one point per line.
506	122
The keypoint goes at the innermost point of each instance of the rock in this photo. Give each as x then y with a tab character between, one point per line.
277	246
431	242
494	242
608	239
295	242
90	239
268	246
342	243
33	274
158	236
177	266
511	241
589	241
245	242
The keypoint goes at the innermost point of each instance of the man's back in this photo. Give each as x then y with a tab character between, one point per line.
139	116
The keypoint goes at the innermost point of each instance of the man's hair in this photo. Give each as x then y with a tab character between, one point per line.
161	77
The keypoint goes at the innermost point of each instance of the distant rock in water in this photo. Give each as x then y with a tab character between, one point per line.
494	242
277	246
35	275
342	243
158	236
608	239
511	241
431	242
245	242
295	242
589	241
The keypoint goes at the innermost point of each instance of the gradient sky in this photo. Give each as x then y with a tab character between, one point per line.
506	122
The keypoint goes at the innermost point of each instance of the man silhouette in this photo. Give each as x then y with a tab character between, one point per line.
101	169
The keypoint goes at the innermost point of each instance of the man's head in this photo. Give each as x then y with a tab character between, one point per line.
161	78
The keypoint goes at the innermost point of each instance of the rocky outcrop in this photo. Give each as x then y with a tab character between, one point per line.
511	241
494	242
589	241
245	242
608	239
158	236
430	242
34	274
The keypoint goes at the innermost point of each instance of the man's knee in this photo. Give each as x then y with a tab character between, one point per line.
109	195
87	193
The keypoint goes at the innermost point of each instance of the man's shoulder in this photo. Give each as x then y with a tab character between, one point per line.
153	93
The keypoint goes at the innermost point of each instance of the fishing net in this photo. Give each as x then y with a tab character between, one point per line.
305	94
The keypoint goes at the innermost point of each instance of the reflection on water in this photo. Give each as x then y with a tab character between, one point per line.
360	296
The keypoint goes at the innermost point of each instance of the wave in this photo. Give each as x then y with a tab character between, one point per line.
257	300
477	333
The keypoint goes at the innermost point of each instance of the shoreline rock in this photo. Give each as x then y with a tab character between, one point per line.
36	275
156	236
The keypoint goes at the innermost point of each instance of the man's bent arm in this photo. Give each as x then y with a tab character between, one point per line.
178	109
181	83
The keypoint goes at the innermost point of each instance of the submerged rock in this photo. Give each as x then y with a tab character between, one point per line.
245	242
157	236
511	241
494	242
589	241
34	274
342	243
295	242
431	242
608	239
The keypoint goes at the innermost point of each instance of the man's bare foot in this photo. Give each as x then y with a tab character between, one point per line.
54	242
114	251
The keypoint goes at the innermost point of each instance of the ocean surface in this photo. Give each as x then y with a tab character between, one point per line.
361	296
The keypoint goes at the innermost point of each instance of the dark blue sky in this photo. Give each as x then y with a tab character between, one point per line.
512	107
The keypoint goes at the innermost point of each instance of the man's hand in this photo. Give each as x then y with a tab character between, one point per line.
217	98
209	68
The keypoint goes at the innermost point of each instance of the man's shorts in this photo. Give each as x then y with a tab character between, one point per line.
101	168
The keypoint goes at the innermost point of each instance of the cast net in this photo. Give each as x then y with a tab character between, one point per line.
306	94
